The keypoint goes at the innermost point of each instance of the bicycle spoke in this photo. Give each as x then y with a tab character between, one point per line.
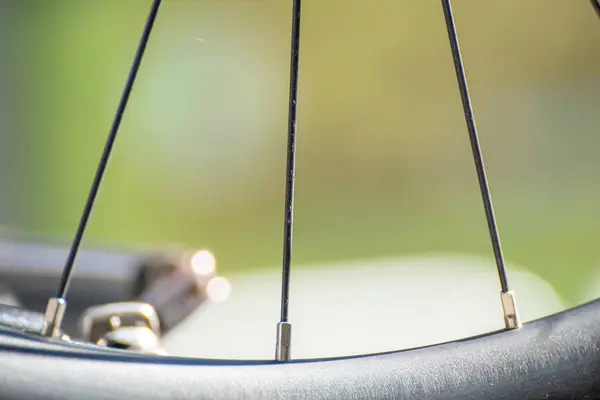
284	328
57	305
596	5
511	317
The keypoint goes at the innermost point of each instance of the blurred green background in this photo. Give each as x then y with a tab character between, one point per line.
384	165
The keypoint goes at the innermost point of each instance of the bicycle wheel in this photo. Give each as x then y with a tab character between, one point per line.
553	357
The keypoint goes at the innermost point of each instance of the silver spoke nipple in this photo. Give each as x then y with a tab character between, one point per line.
55	311
509	307
283	351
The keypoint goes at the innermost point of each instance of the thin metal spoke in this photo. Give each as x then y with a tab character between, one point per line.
57	306
284	328
596	5
511	317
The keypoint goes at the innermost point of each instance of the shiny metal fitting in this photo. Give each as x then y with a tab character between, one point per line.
509	306
96	322
134	338
283	350
55	311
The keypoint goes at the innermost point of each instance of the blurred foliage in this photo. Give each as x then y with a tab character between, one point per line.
384	164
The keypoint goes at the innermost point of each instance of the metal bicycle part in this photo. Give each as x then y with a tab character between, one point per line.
99	320
132	326
134	338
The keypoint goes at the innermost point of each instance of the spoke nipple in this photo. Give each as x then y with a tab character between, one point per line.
55	311
283	351
509	306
